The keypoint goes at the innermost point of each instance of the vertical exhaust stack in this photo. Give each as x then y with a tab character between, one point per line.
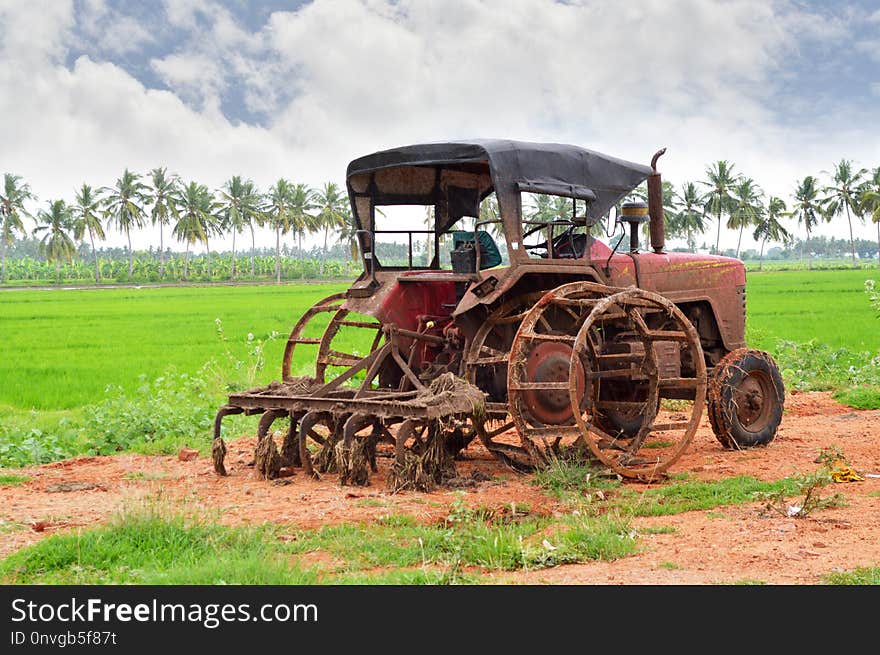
655	205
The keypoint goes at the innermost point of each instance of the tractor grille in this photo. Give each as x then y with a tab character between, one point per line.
741	293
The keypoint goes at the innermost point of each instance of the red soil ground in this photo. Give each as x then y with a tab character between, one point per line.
728	544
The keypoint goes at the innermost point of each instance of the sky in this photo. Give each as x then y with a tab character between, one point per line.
215	88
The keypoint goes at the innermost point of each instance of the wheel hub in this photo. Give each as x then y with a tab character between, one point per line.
752	410
549	362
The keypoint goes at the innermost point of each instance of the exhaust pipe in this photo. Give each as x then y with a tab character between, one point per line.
655	205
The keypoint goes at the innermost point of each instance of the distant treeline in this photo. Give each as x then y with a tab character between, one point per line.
68	233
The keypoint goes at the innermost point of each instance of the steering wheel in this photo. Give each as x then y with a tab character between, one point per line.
558	239
563	239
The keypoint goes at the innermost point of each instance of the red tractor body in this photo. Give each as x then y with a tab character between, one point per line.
570	341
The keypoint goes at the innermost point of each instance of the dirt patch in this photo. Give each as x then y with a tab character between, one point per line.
727	544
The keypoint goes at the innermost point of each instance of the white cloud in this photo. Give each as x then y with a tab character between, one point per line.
520	67
108	30
215	53
121	35
195	77
340	78
89	123
33	33
185	13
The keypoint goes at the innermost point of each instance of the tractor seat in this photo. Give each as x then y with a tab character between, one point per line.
463	255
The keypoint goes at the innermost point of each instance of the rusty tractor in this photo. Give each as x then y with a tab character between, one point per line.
570	346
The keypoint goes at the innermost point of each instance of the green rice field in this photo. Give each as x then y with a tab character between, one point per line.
62	348
829	306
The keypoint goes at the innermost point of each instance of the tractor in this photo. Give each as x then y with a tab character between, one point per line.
495	314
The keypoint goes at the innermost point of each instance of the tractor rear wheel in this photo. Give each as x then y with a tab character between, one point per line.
626	350
745	399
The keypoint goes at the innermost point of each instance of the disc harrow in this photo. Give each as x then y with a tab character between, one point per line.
337	418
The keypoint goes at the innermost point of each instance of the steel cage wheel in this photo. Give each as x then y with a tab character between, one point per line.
541	374
656	445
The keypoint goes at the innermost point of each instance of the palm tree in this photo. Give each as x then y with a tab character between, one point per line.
302	201
56	245
88	219
124	207
689	216
747	207
240	207
720	180
843	197
212	222
194	218
769	227
542	208
258	218
279	216
332	206
348	235
807	210
165	196
12	208
869	202
489	211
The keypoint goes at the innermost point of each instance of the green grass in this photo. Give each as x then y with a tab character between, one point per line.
865	397
748	582
821	329
152	545
659	529
103	370
861	576
689	496
573	481
371	502
149	546
11	526
13	480
578	485
819	264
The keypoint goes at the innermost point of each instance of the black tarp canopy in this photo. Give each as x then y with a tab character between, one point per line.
515	166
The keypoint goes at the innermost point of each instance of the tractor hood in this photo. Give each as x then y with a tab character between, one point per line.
683	270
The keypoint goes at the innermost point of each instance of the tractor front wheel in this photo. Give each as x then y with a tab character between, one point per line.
745	399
